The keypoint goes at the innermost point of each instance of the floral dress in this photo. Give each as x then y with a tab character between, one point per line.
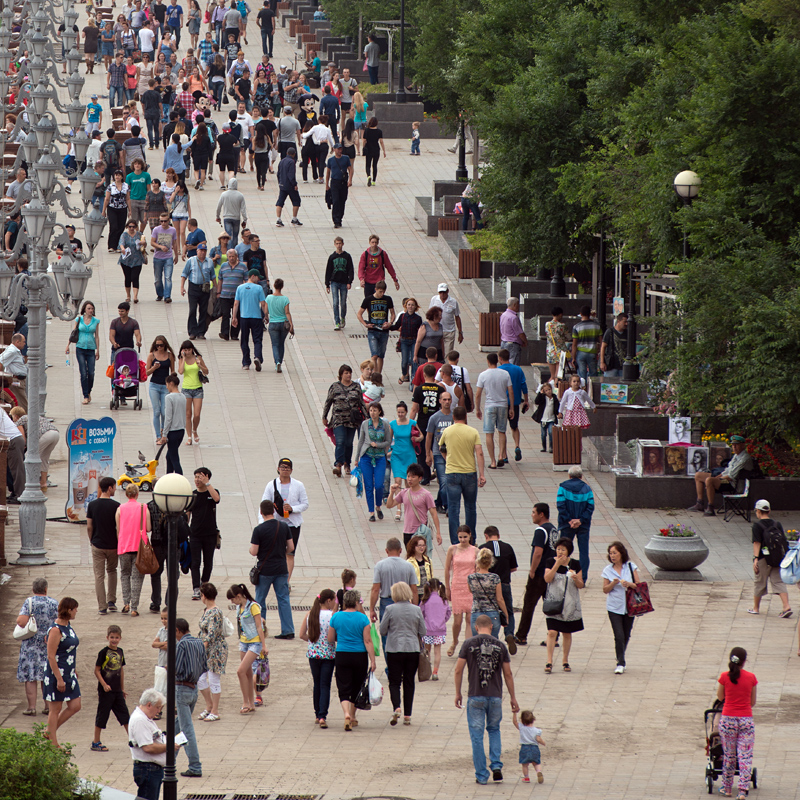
213	637
556	333
66	658
33	651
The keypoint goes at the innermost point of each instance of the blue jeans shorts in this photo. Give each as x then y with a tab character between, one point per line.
495	417
377	343
193	393
251	647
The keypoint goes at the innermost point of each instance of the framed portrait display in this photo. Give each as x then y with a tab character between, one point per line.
675	460
717	456
697	460
680	430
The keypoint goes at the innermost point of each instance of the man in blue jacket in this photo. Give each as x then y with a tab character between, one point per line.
575	501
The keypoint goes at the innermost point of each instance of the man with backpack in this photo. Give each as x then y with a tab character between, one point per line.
769	548
111	153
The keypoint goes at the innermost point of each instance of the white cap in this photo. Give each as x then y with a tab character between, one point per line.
442	288
762	505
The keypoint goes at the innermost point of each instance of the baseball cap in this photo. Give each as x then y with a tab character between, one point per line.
287	109
283	66
442	288
202	247
70	226
735	439
338	146
762	505
94	97
286	462
253	272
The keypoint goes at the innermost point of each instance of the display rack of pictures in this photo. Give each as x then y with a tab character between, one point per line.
660	459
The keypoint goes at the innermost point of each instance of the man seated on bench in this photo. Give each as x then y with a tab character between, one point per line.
706	483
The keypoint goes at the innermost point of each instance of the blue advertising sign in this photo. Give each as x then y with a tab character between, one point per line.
91	457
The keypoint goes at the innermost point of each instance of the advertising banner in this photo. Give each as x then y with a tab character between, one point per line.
91	457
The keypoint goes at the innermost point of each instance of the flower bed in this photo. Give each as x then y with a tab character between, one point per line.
678	530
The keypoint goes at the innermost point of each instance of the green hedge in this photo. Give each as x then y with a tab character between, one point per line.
32	769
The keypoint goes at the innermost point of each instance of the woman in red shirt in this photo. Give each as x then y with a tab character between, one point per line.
736	689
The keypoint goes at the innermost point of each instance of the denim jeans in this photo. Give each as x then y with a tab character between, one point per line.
583	547
232	229
587	364
458	484
278	334
158	391
373	74
547	434
266	42
339	294
248	325
116	96
415	147
384	603
407	362
621	625
373	480
198	309
613	373
343	454
162	271
485	713
494	616
148	778
185	700
85	359
280	583
152	131
514	351
322	672
439	464
377	343
509	601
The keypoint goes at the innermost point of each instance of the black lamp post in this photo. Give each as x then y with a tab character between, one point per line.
173	495
400	96
461	170
686	185
557	286
630	368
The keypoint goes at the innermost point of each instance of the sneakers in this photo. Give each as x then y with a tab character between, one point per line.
369	181
195	594
497	775
709	512
698	506
112	607
297	222
343	323
619	669
337	471
279	223
517	454
337	327
278	368
257	362
511	642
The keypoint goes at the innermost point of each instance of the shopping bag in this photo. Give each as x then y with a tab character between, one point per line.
425	670
637	600
228	628
375	690
376	638
262	673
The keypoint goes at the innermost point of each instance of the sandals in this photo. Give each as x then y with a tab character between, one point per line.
548	668
247	710
134	613
395	717
204	713
452	649
406	720
126	609
29	712
785	614
212	718
567	667
99	747
348	724
259	701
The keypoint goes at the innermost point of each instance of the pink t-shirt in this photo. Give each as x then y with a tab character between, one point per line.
130	526
422	501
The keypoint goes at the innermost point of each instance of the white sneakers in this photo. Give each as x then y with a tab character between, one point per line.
619	670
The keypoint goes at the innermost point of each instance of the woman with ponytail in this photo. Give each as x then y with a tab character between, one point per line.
736	690
321	653
252	643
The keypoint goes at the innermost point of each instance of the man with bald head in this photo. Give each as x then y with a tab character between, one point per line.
232	275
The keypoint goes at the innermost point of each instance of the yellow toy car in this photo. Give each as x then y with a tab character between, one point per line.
142	474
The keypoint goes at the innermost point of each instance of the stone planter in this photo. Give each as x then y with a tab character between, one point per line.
677	557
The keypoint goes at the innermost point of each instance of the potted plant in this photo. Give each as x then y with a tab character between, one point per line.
677	551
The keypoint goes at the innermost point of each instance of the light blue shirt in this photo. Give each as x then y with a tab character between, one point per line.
250	296
240	248
198	271
174	159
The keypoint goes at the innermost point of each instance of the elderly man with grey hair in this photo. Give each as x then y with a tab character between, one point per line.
575	501
512	337
232	274
148	745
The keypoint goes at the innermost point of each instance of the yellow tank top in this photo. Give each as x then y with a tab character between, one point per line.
191	376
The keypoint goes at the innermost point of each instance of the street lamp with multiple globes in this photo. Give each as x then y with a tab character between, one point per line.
686	185
62	292
173	495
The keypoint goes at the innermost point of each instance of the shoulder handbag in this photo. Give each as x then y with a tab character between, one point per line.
637	597
553	606
424	671
423	529
416	441
30	629
146	561
74	334
255	572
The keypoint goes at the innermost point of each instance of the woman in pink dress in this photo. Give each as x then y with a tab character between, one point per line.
571	408
459	564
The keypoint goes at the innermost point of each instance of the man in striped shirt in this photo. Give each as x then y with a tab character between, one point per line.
190	664
586	337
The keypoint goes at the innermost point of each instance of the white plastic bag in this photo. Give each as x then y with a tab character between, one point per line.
160	680
228	628
375	690
790	566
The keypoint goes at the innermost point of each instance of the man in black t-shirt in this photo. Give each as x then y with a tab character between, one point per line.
542	548
614	348
266	21
505	562
425	402
380	316
270	544
101	527
203	528
256	258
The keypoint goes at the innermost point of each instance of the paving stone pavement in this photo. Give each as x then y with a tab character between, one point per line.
631	736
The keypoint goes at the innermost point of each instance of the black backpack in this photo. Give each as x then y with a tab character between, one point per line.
109	151
774	541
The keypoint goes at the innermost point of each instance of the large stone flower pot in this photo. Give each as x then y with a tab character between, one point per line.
677	557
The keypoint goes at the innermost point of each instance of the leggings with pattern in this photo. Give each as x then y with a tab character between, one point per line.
738	735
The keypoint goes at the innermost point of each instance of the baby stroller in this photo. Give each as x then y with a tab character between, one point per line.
714	748
125	378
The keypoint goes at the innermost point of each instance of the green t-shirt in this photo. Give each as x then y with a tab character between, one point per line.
277	308
138	184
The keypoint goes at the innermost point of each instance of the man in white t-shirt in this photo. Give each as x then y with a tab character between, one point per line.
148	745
146	37
246	121
349	86
499	406
16	456
451	317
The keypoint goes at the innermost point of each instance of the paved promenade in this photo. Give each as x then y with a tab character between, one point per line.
638	735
